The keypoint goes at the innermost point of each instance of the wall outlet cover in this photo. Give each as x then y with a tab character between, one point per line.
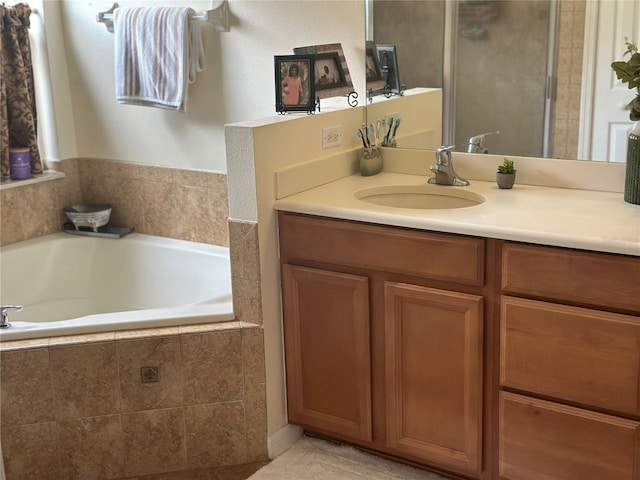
331	136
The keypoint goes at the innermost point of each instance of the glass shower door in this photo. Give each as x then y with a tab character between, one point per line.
496	84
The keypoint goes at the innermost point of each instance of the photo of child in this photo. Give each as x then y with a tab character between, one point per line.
295	91
292	86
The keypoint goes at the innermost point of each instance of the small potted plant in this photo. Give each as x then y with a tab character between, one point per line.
506	175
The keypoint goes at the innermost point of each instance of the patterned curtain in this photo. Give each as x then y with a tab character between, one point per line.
17	96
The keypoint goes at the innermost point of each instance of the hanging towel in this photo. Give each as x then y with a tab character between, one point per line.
158	51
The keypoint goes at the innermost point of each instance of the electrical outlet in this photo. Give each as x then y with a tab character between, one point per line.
331	136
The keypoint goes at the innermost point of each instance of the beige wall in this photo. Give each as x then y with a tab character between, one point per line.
237	84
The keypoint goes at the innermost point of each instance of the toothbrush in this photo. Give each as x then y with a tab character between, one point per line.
361	136
387	136
395	130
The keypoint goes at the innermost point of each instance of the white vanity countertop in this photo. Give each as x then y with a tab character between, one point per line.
583	219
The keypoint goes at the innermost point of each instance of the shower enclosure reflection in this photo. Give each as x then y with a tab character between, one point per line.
515	67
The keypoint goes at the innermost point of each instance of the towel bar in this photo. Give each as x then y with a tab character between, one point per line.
217	16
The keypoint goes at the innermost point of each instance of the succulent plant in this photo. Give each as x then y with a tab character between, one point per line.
506	167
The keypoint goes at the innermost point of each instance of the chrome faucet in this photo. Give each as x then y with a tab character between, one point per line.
443	169
4	322
476	143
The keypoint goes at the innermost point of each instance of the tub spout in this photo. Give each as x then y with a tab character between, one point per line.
4	310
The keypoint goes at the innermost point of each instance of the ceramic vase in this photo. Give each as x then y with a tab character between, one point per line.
632	174
505	180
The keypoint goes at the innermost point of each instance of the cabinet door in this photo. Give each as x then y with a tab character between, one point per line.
546	440
433	358
328	363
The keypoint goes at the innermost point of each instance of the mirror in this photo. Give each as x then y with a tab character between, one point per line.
536	71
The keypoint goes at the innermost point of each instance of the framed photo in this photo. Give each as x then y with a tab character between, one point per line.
295	84
332	77
389	67
375	80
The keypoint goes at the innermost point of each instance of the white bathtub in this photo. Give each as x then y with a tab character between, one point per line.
71	284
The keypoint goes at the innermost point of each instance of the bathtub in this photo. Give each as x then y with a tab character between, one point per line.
71	284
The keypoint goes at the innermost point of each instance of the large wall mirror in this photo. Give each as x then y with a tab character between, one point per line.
536	71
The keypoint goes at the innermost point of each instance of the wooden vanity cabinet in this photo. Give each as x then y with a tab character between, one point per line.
384	339
569	364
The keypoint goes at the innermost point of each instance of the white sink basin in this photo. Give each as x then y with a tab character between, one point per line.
419	196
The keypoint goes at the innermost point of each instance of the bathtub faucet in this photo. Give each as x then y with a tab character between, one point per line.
4	323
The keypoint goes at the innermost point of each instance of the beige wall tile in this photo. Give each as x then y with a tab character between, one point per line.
256	422
218	203
25	378
191	178
24	344
11	225
91	448
253	356
210	327
38	212
215	434
243	249
30	453
67	188
192	203
212	367
147	333
85	380
247	299
162	352
154	441
161	216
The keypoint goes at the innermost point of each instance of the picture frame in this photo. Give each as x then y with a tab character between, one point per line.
388	59
294	93
331	56
374	77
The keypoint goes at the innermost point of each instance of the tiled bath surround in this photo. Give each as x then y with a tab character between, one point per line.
168	202
81	411
76	407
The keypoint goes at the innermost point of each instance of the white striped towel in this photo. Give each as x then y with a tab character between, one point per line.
158	51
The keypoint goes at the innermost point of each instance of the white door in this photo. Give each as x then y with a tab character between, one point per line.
617	20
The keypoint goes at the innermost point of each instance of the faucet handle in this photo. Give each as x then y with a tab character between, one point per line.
443	154
4	322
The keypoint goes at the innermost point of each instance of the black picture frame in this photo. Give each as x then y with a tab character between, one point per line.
388	59
331	52
303	96
328	72
373	73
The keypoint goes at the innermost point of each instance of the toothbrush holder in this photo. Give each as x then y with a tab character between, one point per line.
370	161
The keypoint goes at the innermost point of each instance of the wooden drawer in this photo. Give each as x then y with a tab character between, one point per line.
389	249
589	278
571	353
546	440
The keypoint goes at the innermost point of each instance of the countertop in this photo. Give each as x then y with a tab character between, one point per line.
582	219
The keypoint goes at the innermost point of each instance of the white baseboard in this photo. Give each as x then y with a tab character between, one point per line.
280	441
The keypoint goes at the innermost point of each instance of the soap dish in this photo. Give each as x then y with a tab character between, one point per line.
93	215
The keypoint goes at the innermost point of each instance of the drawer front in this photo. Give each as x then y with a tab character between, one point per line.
590	278
546	440
412	252
571	353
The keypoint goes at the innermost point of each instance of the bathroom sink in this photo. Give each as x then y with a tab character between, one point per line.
419	196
